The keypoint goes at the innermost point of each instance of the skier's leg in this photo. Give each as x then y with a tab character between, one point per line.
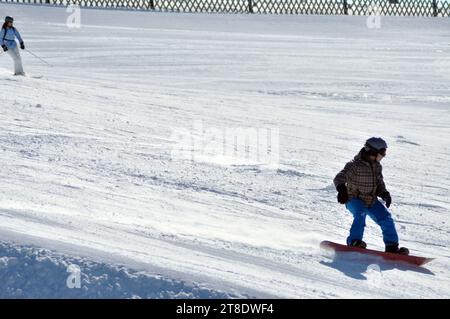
19	66
380	214
15	55
358	210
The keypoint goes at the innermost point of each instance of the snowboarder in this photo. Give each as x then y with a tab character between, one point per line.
8	37
359	185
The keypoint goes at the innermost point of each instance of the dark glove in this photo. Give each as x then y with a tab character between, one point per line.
5	48
22	45
386	196
342	196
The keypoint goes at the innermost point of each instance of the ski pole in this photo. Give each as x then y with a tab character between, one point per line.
38	58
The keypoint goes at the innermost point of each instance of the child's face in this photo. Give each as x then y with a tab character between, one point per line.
10	24
380	157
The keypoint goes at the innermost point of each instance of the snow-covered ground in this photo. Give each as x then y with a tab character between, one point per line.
28	272
90	173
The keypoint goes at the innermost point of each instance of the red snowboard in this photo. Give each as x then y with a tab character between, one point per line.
419	261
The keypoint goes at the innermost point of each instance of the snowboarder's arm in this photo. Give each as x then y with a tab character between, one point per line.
382	192
381	186
342	177
16	32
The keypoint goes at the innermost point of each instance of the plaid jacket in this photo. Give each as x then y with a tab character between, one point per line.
364	180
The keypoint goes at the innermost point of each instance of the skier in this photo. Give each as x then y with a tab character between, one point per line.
359	185
8	37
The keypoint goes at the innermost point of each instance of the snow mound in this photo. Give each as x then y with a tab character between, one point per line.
29	272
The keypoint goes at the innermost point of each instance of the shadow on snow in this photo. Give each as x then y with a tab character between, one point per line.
358	266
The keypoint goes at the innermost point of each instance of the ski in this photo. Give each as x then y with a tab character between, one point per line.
34	76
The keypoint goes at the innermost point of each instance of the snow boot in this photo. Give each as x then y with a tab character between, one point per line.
394	249
358	243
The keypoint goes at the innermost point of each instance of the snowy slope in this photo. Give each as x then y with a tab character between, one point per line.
88	169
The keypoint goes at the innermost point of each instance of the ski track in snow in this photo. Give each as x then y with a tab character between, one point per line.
88	177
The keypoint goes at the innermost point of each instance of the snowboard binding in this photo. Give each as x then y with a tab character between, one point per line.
394	249
358	243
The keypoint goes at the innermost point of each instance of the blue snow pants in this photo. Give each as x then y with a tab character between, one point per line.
380	215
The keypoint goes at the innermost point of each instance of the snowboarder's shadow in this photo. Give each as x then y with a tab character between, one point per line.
358	267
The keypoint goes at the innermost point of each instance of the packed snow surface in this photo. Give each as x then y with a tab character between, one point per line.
92	172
